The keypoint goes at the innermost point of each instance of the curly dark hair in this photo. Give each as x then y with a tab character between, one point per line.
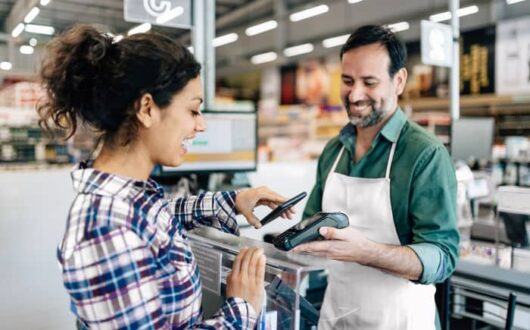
90	78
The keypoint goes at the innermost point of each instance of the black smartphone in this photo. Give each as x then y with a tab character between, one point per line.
282	208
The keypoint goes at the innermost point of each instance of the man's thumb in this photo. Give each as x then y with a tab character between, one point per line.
328	232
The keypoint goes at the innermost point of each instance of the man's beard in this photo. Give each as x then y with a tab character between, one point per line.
375	116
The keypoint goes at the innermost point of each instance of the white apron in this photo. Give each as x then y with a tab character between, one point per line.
361	297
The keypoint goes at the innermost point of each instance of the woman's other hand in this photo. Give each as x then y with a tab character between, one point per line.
247	276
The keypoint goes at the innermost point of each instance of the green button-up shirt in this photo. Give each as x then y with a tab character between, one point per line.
422	189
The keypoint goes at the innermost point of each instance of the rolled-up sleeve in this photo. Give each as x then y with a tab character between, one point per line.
216	210
433	213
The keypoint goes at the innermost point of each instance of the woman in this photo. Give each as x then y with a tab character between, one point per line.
125	258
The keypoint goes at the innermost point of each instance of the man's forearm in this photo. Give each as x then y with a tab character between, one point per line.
398	260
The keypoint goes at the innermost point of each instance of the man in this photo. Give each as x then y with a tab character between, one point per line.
397	184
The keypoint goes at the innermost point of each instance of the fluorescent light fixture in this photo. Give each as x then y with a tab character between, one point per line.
260	28
398	27
31	15
225	39
511	2
263	58
17	30
354	1
44	2
307	13
142	28
335	41
169	15
464	11
6	66
40	29
33	42
298	50
26	50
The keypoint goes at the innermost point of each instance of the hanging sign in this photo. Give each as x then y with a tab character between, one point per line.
173	13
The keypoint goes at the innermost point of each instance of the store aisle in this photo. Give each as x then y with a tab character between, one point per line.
33	208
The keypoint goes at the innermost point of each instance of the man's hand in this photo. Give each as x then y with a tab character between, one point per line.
350	245
247	200
346	244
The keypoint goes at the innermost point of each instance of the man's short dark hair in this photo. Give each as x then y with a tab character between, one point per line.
373	34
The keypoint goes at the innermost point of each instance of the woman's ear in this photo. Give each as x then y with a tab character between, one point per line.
146	112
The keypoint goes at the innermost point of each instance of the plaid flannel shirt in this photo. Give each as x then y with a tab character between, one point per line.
125	258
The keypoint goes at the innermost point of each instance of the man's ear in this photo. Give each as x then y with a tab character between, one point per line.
146	110
400	80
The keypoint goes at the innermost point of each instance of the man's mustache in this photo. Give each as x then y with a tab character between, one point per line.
359	103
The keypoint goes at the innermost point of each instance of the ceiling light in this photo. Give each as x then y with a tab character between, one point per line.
26	50
31	15
398	27
6	66
225	39
169	15
447	15
40	29
33	42
307	13
354	1
335	41
142	28
17	30
44	2
263	58
298	50
260	28
511	2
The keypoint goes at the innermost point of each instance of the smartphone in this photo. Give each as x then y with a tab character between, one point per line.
282	208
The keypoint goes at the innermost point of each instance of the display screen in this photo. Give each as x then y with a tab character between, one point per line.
472	138
307	222
228	144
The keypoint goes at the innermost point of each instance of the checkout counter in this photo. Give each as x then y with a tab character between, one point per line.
294	283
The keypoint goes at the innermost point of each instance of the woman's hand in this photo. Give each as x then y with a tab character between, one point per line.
247	200
246	278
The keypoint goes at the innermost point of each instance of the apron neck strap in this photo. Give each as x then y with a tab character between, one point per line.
390	158
336	160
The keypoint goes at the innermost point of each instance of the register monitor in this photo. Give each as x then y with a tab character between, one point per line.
472	138
229	144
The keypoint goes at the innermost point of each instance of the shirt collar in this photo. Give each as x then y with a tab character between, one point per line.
394	125
88	180
390	130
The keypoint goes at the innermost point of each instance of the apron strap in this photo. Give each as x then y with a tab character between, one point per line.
336	161
390	158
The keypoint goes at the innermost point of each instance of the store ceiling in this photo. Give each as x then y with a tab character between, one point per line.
237	15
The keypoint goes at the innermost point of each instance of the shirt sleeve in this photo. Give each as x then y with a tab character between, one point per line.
435	234
216	210
112	283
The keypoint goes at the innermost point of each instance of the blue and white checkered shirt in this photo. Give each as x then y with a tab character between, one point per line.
126	261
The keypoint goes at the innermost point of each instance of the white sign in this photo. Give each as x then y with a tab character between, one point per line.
512	57
173	13
436	44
